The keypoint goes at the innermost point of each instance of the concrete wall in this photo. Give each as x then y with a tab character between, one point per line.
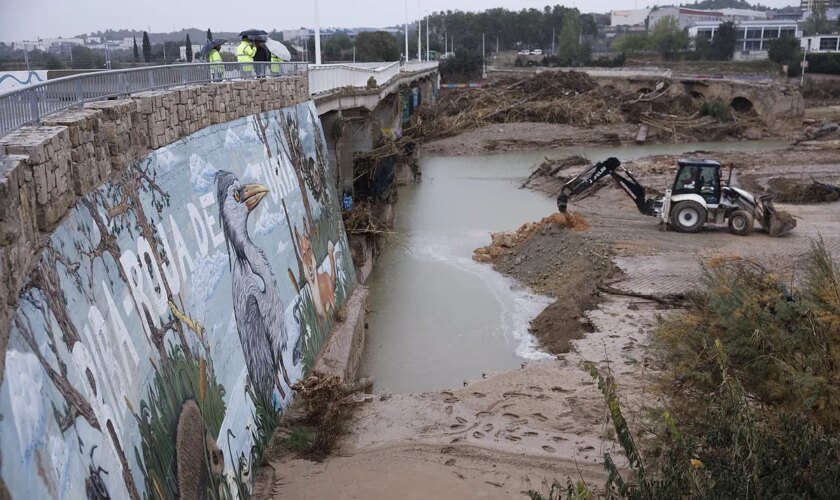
158	305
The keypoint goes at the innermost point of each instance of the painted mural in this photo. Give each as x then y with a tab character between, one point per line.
157	339
14	80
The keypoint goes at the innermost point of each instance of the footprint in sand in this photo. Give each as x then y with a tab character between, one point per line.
479	394
457	426
548	448
454	440
530	433
542	397
539	416
488	427
461	420
510	415
558	439
478	435
451	461
513	438
451	399
536	388
448	410
557	388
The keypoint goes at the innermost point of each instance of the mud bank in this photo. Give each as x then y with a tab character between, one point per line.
554	257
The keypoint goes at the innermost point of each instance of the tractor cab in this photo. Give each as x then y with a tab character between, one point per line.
700	177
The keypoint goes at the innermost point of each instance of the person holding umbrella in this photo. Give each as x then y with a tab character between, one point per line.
245	53
214	57
262	54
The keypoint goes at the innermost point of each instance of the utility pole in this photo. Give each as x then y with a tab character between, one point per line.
552	41
483	59
419	40
804	63
427	37
317	35
406	30
445	43
497	44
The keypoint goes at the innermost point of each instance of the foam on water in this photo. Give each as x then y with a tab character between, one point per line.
518	305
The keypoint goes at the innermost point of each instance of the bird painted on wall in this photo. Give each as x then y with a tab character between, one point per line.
257	305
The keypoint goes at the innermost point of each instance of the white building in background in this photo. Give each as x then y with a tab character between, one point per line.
635	17
684	17
742	14
820	43
753	37
289	35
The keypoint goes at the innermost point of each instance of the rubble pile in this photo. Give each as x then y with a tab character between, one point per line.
504	242
566	98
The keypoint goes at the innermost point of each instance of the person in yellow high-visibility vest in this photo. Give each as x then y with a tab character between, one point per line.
275	65
217	68
245	52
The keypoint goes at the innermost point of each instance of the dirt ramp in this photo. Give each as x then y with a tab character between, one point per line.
555	257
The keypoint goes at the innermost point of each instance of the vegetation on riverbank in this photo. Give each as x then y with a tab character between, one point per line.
752	391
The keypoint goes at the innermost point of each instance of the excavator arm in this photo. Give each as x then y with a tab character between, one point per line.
612	167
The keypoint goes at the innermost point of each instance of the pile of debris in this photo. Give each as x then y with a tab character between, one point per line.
568	98
787	191
571	98
504	242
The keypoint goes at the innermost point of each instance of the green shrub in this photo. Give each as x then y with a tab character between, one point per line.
717	109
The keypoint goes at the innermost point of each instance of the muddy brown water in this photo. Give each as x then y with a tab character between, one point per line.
436	317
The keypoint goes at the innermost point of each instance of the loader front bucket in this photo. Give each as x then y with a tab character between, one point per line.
776	222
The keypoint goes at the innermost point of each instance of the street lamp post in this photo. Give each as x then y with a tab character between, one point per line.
427	37
317	35
406	30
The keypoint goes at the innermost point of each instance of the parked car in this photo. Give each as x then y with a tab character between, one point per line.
524	52
536	52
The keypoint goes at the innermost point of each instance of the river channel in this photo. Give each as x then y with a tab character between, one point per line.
436	317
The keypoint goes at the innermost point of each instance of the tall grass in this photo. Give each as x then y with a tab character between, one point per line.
752	392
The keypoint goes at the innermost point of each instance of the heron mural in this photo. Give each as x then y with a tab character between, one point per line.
156	341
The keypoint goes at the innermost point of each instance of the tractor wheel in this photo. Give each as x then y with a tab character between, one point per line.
688	216
740	222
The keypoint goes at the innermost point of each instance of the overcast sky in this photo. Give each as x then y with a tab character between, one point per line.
31	19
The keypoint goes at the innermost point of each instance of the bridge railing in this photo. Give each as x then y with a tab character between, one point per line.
30	104
326	77
419	66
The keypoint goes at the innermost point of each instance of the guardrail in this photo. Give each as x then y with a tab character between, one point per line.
326	77
419	66
30	104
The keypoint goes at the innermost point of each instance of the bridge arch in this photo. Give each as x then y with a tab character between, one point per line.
742	105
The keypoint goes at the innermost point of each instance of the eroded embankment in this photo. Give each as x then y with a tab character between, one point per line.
556	258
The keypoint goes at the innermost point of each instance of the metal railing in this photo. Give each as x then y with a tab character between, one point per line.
419	66
326	77
31	104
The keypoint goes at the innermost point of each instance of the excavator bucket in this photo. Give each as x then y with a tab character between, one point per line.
776	222
562	203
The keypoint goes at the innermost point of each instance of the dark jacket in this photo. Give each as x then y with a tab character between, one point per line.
263	54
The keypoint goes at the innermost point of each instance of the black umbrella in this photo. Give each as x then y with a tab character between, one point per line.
252	33
208	46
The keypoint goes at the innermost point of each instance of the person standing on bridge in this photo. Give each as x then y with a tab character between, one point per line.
261	55
245	53
217	68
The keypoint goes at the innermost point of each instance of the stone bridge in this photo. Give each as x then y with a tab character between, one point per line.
776	104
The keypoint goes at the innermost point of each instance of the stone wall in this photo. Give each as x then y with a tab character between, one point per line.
45	169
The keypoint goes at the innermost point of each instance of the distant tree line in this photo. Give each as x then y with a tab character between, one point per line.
523	29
